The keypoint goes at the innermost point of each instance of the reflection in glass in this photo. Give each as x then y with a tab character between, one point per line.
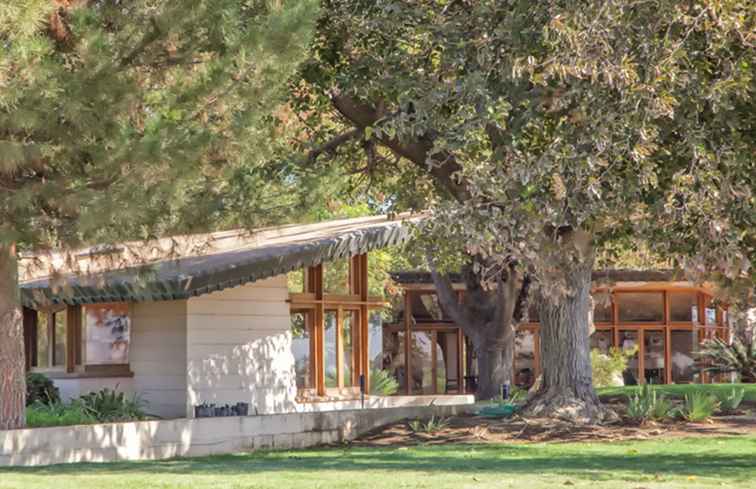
59	353
524	358
43	341
336	277
640	307
653	357
329	350
350	320
448	363
375	340
301	337
602	308
683	307
628	341
421	362
602	341
394	358
682	356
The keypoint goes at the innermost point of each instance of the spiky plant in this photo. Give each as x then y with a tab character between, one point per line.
718	356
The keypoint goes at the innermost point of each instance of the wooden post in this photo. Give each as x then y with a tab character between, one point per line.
434	360
460	362
315	286
667	341
407	339
339	347
641	356
364	320
615	321
71	337
30	337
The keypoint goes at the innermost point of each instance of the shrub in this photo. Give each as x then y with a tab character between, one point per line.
40	389
730	401
382	383
698	406
607	368
41	415
648	404
111	405
433	425
720	357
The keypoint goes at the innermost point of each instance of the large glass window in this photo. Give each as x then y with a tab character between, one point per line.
43	341
375	340
640	307
601	341
710	312
329	350
682	356
59	339
421	363
683	307
301	347
336	277
350	322
426	307
108	333
653	357
602	308
628	341
524	358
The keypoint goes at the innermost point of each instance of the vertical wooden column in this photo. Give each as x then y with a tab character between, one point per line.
407	339
615	321
434	360
72	321
701	331
339	347
460	361
360	262
315	286
641	356
30	337
667	341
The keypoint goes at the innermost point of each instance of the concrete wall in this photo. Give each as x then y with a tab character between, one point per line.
75	387
149	440
239	348
157	355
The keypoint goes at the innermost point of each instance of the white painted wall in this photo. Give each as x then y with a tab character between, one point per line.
157	355
239	348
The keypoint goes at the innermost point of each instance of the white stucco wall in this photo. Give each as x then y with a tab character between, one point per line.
158	355
239	348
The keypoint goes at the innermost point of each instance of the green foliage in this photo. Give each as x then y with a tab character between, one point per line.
40	415
648	404
111	405
607	368
162	114
718	356
382	383
698	406
429	427
40	389
730	401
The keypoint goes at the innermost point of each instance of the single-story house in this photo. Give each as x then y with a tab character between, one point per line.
219	318
654	313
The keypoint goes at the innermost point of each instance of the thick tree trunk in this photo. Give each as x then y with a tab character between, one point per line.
495	364
566	389
12	374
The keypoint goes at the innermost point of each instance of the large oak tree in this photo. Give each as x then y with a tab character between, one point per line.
539	132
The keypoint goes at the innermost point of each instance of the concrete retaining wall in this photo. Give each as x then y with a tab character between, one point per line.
151	440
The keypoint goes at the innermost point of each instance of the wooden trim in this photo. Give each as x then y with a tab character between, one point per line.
407	340
641	356
434	361
30	338
71	321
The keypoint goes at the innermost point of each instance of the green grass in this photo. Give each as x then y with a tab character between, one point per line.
655	464
679	391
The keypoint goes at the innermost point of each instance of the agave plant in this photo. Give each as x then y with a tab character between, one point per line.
718	356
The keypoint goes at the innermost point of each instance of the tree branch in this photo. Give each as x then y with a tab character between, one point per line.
448	298
333	144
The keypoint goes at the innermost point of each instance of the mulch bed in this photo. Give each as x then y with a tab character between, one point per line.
477	429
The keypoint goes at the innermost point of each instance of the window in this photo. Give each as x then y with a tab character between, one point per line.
301	347
602	308
108	333
641	307
336	277
683	307
51	340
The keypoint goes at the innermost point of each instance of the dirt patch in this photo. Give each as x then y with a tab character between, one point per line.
477	429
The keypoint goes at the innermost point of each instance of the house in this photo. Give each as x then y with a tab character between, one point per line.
211	318
653	313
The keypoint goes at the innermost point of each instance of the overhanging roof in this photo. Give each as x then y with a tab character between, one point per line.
420	277
229	259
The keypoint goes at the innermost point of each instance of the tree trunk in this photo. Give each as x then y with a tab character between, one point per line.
12	366
495	368
566	390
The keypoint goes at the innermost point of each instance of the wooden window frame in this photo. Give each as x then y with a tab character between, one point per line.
357	300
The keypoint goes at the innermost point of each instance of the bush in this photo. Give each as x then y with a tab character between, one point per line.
730	401
720	357
648	404
607	369
41	415
433	425
382	383
699	406
111	405
40	389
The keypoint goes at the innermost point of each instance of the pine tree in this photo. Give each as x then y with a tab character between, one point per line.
128	120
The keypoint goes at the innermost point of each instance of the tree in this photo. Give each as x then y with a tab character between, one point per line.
131	120
548	131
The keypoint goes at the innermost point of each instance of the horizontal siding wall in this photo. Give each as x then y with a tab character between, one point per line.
239	348
158	356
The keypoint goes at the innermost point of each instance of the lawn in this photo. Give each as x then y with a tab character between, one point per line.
679	390
663	463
